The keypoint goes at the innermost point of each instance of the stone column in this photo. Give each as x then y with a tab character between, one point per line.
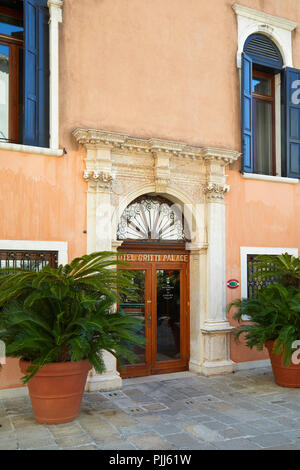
99	238
197	303
216	329
55	13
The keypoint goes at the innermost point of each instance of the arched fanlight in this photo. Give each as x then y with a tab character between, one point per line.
263	51
152	218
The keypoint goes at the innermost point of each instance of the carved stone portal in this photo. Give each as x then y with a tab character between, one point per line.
119	169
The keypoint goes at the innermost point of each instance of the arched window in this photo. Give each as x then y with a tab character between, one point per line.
153	218
263	51
270	111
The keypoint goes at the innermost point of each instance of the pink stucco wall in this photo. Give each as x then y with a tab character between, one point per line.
159	68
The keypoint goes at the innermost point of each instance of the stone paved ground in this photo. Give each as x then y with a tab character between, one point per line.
245	410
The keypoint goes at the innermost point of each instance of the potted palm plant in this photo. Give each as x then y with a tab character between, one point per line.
58	321
274	316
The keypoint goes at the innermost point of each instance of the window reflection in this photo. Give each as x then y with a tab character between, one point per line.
4	92
168	315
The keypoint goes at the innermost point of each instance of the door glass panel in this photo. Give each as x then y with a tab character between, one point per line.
168	315
135	307
4	92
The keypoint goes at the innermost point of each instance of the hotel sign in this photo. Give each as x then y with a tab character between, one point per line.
158	258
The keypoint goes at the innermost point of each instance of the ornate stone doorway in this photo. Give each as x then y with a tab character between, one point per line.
120	169
153	234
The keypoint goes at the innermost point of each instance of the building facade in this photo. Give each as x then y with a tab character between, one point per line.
166	130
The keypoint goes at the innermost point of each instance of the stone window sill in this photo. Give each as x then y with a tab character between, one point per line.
31	150
273	179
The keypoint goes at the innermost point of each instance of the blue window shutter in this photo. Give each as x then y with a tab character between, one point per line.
292	122
247	107
36	73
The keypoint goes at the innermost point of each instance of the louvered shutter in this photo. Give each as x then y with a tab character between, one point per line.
291	131
36	73
246	105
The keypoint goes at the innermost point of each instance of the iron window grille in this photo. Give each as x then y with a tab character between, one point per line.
254	282
31	260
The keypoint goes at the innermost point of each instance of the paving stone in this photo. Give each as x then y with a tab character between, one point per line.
25	422
151	441
74	441
52	447
5	425
183	440
236	444
245	411
202	432
64	430
33	434
165	429
119	418
198	446
34	443
136	429
9	444
84	448
115	444
266	425
271	440
154	407
284	447
215	426
152	420
101	431
133	392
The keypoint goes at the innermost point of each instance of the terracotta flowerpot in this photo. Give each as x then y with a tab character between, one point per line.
285	376
56	390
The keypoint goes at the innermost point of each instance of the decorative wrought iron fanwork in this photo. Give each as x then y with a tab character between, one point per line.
254	282
33	260
152	218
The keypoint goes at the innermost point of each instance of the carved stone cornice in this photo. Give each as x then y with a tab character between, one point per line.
98	179
264	18
122	143
215	191
219	156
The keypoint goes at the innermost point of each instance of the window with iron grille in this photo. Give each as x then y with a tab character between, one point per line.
254	282
33	260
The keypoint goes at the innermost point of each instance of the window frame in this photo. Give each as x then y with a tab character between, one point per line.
33	256
270	99
30	245
56	17
14	45
256	251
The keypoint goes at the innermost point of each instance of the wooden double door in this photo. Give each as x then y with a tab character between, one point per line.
163	306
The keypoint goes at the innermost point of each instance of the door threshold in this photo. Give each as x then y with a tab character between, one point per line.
158	378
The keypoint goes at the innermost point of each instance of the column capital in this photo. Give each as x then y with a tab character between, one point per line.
115	244
215	191
196	248
98	180
55	8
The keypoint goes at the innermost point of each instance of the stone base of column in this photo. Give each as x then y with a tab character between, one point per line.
218	368
217	360
104	382
195	367
108	380
210	369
